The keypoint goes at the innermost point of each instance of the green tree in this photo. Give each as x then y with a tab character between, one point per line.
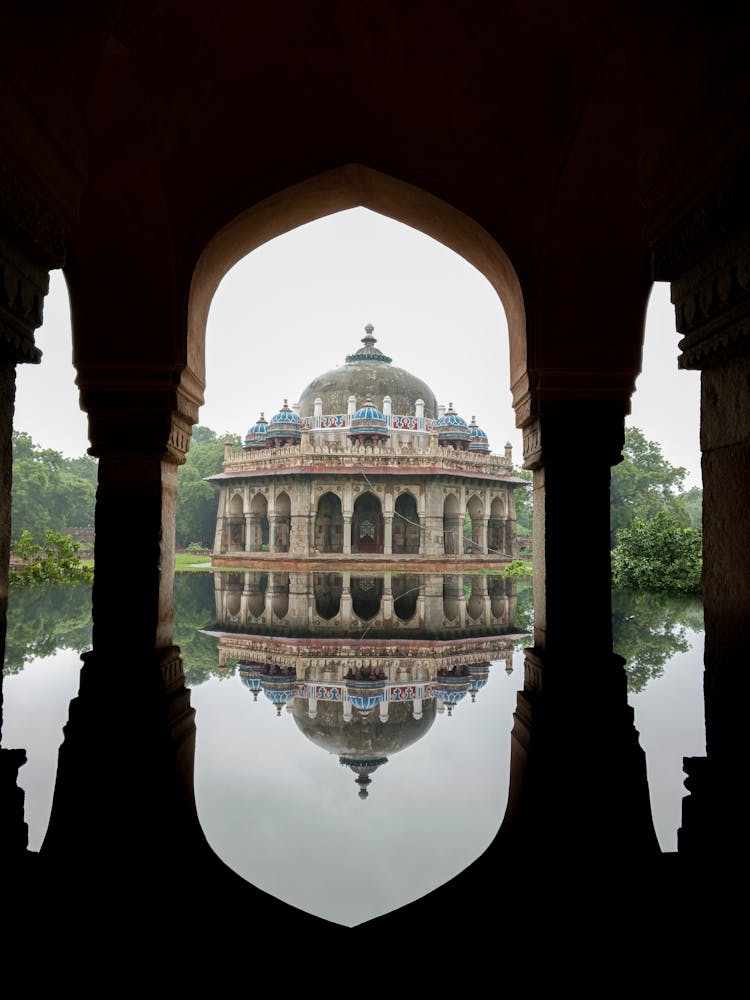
658	555
644	484
56	560
50	493
692	501
196	499
524	508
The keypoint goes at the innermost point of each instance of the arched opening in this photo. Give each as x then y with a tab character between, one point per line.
474	542
452	526
327	589
236	524
406	528
255	586
496	541
405	589
475	605
278	595
367	595
367	524
282	523
259	531
329	524
453	595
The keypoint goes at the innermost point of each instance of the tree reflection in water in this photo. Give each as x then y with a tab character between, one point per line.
649	629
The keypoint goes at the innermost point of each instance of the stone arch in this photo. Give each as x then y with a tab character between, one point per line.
367	524
405	588
475	605
475	514
259	533
329	524
452	527
327	588
236	523
367	594
351	185
407	530
256	584
278	594
282	520
496	541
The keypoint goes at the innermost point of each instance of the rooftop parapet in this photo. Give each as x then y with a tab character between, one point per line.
347	454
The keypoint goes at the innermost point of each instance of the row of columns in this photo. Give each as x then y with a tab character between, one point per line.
575	751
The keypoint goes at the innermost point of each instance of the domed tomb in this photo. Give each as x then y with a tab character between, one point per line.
368	372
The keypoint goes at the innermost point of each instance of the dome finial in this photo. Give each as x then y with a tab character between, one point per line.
368	340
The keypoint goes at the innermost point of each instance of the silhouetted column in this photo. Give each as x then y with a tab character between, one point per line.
708	261
24	280
113	787
578	777
347	535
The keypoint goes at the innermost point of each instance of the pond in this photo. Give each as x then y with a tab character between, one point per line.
353	732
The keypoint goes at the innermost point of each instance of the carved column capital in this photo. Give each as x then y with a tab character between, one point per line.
32	242
555	435
139	410
712	305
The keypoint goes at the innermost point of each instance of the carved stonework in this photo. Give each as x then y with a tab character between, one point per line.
23	285
712	304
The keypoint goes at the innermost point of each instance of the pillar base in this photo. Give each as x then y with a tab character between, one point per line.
578	783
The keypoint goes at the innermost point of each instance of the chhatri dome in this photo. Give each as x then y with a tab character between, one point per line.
367	372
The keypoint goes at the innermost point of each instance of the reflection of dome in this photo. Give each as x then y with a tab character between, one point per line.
450	690
250	677
258	433
364	741
477	438
284	424
363	769
278	690
368	372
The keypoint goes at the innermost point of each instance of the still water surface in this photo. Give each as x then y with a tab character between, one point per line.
349	818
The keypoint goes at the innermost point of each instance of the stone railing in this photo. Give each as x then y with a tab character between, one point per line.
347	455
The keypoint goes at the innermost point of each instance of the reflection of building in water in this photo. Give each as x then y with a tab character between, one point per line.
329	603
366	463
361	681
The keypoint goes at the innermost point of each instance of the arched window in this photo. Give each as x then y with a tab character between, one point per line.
406	529
329	524
367	524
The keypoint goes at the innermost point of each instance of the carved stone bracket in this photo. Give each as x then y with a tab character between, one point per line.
23	285
712	304
550	437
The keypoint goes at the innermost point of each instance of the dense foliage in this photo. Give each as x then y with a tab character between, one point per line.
658	555
56	560
197	500
50	493
644	484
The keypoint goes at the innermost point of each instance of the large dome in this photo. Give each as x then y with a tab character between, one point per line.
368	372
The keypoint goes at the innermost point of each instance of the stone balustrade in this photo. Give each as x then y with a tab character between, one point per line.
347	455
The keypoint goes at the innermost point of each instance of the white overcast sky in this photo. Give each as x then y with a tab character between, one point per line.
296	306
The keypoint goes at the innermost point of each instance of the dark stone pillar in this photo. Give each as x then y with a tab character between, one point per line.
25	260
710	272
578	776
125	773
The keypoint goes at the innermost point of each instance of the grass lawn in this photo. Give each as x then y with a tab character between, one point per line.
192	562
